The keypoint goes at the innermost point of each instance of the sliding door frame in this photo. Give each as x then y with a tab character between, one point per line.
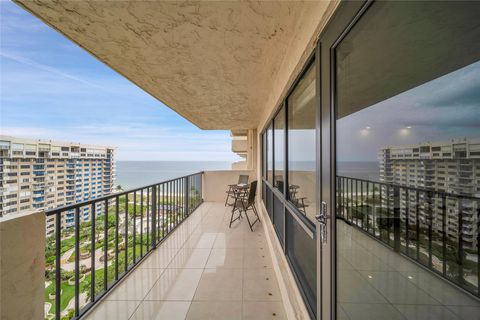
323	59
345	17
289	209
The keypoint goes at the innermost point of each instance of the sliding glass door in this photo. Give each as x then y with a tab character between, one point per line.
404	115
372	164
289	182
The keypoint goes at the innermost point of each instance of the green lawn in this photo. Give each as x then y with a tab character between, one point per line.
68	292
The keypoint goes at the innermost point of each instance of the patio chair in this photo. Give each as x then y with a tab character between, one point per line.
242	180
243	204
279	185
299	202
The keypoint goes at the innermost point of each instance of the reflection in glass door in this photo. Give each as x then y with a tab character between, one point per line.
408	163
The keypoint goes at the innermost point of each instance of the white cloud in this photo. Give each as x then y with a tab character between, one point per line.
143	143
52	70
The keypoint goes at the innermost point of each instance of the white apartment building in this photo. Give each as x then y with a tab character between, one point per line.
449	168
44	174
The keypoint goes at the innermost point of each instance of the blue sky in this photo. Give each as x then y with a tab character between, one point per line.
52	89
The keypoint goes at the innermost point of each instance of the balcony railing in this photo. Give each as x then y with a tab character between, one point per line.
435	229
85	261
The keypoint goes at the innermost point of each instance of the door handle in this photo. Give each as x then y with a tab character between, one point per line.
322	219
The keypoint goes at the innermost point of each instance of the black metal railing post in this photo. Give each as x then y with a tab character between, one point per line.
154	216
396	219
429	217
478	246
105	245
201	186
117	223
175	203
374	213
160	218
444	236
186	200
407	222
77	261
141	223
170	204
126	233
367	207
460	243
58	266
164	226
92	254
134	226
148	218
417	229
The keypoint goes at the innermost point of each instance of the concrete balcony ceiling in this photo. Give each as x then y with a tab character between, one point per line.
216	63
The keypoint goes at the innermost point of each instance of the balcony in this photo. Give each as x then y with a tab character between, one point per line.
183	260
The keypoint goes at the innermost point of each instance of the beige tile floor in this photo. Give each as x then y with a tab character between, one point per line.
204	270
376	283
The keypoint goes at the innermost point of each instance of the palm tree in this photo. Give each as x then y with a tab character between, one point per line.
119	188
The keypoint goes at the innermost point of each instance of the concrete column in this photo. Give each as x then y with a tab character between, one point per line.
244	143
22	267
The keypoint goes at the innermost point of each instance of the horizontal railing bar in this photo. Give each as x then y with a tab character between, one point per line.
111	196
447	194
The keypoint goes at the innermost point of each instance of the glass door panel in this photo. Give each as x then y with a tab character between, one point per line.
302	112
407	78
302	254
279	140
269	151
301	248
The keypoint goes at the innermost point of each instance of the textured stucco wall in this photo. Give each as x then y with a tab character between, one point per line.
22	267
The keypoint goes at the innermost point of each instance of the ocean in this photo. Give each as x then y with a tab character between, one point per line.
134	174
367	170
